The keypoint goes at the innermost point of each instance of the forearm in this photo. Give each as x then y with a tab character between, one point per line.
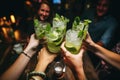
44	58
14	72
80	73
40	67
16	69
109	56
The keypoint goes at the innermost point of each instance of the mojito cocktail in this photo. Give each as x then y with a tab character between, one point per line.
56	34
72	41
75	36
54	39
40	28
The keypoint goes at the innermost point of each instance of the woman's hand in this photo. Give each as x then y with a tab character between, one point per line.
44	58
75	61
72	59
88	43
32	46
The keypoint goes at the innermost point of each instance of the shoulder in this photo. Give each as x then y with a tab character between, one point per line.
111	18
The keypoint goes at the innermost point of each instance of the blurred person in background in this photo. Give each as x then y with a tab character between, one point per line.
102	27
111	69
43	11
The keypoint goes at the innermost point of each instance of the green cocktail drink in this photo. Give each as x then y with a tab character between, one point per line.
73	42
40	28
60	23
75	36
54	40
56	34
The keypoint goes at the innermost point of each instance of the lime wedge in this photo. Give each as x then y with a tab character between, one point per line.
69	45
73	49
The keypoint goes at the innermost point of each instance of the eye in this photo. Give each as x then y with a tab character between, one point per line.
47	11
42	10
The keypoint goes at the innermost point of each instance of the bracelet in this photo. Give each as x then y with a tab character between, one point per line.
26	54
33	73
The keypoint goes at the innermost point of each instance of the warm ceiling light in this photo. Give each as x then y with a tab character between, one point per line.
12	17
28	3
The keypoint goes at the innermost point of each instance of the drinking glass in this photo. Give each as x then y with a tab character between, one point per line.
60	25
72	41
59	68
54	39
75	36
56	35
40	28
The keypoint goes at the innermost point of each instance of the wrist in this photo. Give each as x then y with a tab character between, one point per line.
92	47
78	67
41	66
81	74
36	75
29	51
26	55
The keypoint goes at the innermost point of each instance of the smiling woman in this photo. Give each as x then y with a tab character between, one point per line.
45	11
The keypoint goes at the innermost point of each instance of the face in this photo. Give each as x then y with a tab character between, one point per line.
44	12
102	7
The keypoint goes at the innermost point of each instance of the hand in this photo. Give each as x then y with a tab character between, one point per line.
44	58
32	45
88	43
72	59
33	42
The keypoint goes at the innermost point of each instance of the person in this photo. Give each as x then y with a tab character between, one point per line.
110	70
17	68
76	60
44	13
105	54
102	27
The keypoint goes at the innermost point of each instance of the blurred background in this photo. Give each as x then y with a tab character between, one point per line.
12	12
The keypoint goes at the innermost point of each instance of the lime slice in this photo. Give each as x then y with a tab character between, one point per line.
71	48
69	45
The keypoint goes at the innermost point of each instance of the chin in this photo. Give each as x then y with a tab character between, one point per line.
100	14
42	19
